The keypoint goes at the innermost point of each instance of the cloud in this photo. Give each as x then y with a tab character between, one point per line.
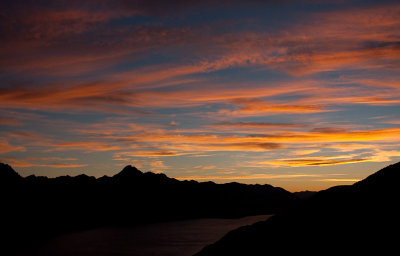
321	41
207	167
160	142
392	121
84	57
5	147
9	122
53	162
243	146
260	107
156	153
313	162
338	39
257	125
248	177
305	152
158	166
22	135
85	146
64	165
339	180
69	41
328	136
193	143
373	154
380	155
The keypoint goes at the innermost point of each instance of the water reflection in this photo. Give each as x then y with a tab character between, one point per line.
180	238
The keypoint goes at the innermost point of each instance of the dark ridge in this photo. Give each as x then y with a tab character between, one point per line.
8	175
387	178
129	172
357	219
303	195
36	208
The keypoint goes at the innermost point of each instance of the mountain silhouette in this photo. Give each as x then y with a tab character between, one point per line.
35	208
342	220
128	173
305	194
8	175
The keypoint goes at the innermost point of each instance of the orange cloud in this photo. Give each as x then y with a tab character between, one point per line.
314	162
119	95
6	147
321	41
340	180
79	43
248	177
373	154
258	125
171	142
27	162
163	153
389	134
87	146
9	122
305	152
259	107
57	31
64	165
242	146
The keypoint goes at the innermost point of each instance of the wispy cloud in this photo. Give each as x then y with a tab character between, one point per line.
248	177
339	180
313	161
53	162
164	153
165	85
261	125
5	147
260	107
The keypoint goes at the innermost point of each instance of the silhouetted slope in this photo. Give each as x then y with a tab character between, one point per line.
305	194
361	218
8	175
37	207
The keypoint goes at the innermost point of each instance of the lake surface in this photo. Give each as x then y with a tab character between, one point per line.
179	238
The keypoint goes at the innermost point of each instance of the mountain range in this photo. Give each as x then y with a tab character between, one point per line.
35	208
342	220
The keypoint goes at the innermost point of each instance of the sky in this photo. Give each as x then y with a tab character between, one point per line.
303	95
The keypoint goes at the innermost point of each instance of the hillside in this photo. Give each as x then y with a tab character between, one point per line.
39	207
360	218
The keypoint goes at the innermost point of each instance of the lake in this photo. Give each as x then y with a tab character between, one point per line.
178	238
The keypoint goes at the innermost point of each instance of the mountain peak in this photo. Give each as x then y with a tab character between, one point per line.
129	171
7	174
384	179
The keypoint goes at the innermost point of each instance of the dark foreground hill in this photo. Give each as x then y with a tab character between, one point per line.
343	220
37	207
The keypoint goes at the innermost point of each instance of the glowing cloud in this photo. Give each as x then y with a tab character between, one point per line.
194	88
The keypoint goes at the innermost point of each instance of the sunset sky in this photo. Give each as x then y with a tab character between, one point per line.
296	94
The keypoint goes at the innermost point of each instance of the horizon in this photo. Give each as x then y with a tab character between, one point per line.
303	95
181	179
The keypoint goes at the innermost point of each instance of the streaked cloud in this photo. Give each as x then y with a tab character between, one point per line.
86	146
150	153
258	125
197	88
339	180
9	122
314	161
248	177
259	107
42	162
5	147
